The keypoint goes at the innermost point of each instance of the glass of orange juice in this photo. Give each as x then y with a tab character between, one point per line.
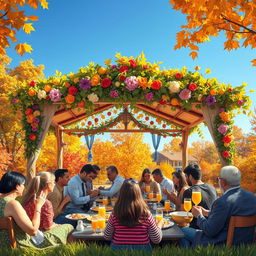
102	224
105	200
196	196
147	189
167	205
187	205
150	196
102	210
159	214
95	223
158	197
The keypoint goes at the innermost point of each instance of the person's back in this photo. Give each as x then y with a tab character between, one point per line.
236	202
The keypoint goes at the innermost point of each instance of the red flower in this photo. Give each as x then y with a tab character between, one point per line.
109	113
123	69
225	154
106	82
72	90
122	78
146	118
81	104
133	63
230	89
164	136
32	83
162	102
89	123
192	87
32	136
178	75
164	125
151	122
145	66
156	85
227	139
96	120
29	111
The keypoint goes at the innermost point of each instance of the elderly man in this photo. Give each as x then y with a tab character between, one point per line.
235	201
117	180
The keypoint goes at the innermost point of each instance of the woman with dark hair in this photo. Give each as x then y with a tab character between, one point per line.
180	185
146	180
131	225
44	183
11	187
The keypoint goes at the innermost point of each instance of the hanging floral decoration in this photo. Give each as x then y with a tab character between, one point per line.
133	80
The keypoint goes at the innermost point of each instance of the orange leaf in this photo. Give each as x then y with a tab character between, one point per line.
33	17
193	55
253	62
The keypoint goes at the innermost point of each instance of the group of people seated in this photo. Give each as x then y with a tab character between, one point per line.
40	215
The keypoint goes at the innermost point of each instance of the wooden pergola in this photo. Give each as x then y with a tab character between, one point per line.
184	119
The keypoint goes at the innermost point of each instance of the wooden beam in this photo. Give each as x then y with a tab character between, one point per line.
163	115
185	135
121	130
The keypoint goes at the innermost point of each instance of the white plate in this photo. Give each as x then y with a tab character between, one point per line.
77	216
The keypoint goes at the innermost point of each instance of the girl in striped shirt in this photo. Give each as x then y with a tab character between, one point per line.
131	225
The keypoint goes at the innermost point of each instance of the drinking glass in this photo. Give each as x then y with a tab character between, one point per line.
167	205
105	200
187	205
102	224
159	214
147	189
196	196
102	210
95	224
150	196
158	197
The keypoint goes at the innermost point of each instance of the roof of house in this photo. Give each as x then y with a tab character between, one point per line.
176	156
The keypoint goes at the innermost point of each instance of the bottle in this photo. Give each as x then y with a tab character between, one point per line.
80	226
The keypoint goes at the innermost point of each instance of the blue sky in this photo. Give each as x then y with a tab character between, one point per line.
70	34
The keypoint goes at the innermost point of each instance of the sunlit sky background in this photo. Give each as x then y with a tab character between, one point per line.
70	34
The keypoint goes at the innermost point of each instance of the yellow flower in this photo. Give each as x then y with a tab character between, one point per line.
91	64
117	84
108	62
208	71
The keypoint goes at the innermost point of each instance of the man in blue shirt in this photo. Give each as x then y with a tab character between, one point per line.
117	180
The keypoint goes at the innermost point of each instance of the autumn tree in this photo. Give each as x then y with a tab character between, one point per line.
11	133
166	168
13	18
241	141
5	161
173	145
208	18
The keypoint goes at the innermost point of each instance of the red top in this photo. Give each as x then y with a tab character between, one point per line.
46	219
139	234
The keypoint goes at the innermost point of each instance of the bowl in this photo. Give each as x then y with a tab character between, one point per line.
181	218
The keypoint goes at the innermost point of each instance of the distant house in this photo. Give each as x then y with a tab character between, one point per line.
174	159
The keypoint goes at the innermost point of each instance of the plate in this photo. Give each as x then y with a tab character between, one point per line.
167	224
76	216
90	217
96	208
151	201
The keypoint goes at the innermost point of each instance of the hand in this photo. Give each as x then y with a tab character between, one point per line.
94	193
40	200
165	191
173	197
204	211
101	188
196	211
66	199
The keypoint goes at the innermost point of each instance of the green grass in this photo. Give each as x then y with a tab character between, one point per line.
82	249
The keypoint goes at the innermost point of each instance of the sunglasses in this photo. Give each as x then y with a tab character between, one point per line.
132	180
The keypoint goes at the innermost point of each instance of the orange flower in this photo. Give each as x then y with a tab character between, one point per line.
102	70
67	84
30	119
143	82
76	80
222	91
175	102
47	87
212	92
225	117
70	99
31	92
156	85
56	81
95	80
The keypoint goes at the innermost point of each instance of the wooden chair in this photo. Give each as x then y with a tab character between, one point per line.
7	224
239	222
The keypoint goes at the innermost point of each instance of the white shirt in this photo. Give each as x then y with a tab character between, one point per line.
114	189
166	184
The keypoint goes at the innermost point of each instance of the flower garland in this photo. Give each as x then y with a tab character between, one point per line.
132	80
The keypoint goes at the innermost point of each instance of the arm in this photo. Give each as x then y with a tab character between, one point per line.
53	198
155	233
216	219
73	192
15	210
47	216
113	190
109	230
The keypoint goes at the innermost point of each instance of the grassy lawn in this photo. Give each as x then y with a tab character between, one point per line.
81	249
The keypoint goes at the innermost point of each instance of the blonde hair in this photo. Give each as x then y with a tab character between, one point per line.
36	185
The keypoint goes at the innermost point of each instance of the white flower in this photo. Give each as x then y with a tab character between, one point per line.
93	97
174	86
41	94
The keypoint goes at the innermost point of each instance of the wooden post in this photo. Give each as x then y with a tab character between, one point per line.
60	145
185	134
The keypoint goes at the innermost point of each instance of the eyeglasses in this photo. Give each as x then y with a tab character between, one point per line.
132	180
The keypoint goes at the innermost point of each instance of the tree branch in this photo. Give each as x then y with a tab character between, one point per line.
4	15
240	25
